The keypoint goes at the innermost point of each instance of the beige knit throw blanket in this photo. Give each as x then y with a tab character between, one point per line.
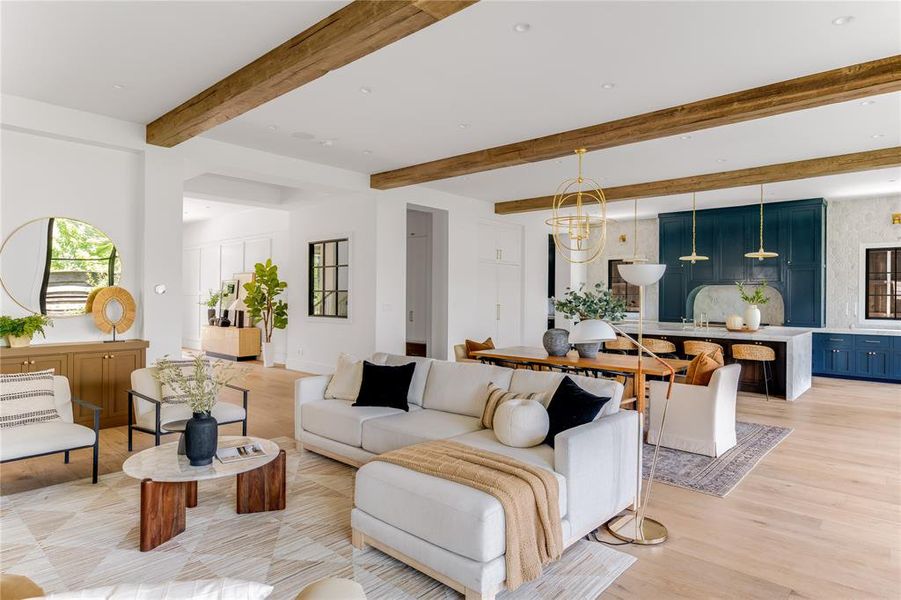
528	494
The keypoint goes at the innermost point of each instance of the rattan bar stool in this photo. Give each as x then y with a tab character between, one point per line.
761	354
619	346
695	347
661	348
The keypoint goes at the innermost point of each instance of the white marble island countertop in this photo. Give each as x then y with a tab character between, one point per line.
764	334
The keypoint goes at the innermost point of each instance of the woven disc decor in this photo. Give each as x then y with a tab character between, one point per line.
101	302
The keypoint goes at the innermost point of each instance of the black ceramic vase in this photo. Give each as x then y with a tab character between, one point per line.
201	438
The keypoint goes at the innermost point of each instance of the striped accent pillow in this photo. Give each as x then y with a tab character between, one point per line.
172	395
27	398
497	396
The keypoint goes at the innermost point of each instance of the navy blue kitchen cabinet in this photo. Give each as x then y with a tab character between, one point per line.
795	230
857	356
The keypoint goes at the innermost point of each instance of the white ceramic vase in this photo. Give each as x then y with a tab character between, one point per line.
752	317
268	357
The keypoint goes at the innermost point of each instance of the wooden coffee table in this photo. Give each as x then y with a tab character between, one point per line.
169	484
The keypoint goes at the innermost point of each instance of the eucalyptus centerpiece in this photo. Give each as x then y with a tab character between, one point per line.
198	382
592	303
19	331
753	300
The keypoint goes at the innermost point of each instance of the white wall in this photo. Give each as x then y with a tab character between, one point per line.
215	249
851	224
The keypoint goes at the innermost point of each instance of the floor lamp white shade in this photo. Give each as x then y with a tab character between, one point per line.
641	273
591	330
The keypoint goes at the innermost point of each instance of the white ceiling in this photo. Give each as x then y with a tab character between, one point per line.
201	209
472	68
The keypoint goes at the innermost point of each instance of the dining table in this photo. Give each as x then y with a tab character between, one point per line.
527	357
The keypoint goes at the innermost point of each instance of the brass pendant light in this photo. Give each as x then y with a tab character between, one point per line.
572	225
694	256
635	258
760	254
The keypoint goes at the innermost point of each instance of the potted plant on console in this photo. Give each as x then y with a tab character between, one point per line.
598	303
18	332
212	303
753	300
263	305
198	381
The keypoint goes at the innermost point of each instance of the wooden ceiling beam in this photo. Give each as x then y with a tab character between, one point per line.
829	87
358	29
802	169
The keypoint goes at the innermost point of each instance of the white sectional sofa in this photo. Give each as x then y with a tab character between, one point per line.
449	531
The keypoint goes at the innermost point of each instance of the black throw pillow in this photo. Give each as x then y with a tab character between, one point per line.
385	386
570	407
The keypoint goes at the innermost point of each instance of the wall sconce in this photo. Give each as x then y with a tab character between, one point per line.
896	218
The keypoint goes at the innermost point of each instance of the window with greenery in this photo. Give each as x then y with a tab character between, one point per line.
626	292
329	274
883	283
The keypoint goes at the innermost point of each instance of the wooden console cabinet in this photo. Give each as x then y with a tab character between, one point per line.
98	372
236	343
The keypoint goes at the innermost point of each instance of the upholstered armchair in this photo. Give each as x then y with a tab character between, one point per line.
460	354
700	419
147	413
54	437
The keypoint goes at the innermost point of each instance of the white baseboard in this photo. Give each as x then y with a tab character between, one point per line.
308	366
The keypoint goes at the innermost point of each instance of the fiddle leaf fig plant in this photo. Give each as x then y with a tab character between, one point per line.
262	299
593	303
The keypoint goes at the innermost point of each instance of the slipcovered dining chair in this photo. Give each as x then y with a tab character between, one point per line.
460	354
148	413
700	419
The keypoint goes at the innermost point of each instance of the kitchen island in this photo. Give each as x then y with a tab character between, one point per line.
791	373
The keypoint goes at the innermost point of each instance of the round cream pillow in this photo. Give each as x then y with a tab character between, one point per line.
521	423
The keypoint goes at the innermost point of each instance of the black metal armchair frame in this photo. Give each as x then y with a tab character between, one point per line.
96	445
157	405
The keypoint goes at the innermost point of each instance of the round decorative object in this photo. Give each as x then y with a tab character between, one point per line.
579	220
113	307
521	423
556	341
752	317
201	437
587	349
734	323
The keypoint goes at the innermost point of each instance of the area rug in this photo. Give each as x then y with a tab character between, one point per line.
715	476
77	535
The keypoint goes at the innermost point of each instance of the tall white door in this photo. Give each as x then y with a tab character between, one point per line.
509	311
487	308
418	252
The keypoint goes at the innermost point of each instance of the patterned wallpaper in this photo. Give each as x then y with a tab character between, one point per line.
849	224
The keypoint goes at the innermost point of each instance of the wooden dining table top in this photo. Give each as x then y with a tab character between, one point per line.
624	363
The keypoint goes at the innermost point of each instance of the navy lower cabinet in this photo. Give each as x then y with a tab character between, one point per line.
855	356
794	230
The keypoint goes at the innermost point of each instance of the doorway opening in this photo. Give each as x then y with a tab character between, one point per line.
426	310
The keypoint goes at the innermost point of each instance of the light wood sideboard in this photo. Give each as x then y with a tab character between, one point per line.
236	343
98	372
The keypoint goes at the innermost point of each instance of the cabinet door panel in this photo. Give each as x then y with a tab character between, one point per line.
58	362
802	308
769	269
487	243
118	381
88	384
804	223
509	294
839	362
873	363
674	239
895	372
417	288
731	228
486	301
672	296
706	244
509	243
9	366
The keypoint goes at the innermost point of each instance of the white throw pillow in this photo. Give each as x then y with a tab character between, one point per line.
345	383
521	423
202	589
27	398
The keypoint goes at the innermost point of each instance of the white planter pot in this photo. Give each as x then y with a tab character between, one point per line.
752	317
19	341
268	355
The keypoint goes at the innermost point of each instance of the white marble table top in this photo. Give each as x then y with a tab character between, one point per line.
162	463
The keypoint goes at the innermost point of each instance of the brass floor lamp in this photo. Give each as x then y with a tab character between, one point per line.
635	527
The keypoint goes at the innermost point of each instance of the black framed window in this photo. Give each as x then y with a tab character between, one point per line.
329	276
619	287
883	283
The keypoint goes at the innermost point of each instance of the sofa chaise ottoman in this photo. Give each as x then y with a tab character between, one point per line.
451	532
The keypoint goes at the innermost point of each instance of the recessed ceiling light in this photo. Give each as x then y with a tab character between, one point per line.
721	160
302	135
326	142
867	102
272	128
206	206
608	86
876	136
842	20
892	180
367	152
521	27
365	90
684	137
119	86
463	125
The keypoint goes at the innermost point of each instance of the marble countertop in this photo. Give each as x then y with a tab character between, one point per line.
162	463
764	334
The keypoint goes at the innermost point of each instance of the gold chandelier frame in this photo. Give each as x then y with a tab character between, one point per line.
572	231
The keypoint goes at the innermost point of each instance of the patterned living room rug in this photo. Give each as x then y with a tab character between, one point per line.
76	535
715	476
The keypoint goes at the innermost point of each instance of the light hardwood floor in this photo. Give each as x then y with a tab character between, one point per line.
819	517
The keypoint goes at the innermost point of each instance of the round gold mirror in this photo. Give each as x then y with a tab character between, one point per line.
114	310
51	265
